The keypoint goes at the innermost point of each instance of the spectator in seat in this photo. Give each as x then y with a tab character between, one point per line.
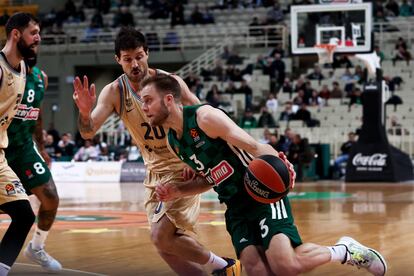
248	92
300	155
66	148
87	152
325	94
177	15
254	28
231	88
196	16
272	104
405	9
287	114
343	158
401	54
213	96
248	120
266	119
396	128
336	92
316	74
124	17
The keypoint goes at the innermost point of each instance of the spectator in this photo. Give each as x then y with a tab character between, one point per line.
265	139
273	141
177	15
287	87
316	74
87	152
324	94
248	92
254	28
272	104
406	9
196	16
402	54
343	158
266	119
124	17
66	148
286	140
300	155
355	98
336	92
396	128
277	73
275	15
101	148
97	20
392	8
231	88
208	17
287	114
248	120
50	147
379	53
213	97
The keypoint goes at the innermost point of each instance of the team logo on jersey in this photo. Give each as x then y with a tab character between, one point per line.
194	135
27	113
10	190
219	173
128	103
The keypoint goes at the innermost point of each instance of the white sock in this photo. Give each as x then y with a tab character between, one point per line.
39	238
338	253
4	269
215	262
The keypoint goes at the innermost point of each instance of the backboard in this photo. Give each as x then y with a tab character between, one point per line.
349	26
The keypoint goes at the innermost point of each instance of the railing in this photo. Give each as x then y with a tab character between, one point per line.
203	38
393	30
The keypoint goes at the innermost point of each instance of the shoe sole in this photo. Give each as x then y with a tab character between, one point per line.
351	240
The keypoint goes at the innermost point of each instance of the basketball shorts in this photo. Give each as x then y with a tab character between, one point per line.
29	166
11	188
182	212
256	223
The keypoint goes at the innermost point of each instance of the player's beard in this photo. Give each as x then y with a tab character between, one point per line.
137	78
161	116
25	50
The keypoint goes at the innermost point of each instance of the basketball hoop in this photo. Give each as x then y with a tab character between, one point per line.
325	52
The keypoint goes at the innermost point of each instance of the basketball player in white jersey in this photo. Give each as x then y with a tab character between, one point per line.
172	223
23	38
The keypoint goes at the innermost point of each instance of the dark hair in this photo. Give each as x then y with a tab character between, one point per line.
19	21
164	84
129	39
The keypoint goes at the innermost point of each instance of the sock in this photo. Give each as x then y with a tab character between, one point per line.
338	253
39	238
4	269
215	262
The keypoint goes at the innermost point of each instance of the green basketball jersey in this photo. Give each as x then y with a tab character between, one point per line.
222	164
22	127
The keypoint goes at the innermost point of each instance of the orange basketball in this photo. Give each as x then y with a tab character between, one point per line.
267	179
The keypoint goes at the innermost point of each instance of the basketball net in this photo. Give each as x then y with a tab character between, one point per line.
325	52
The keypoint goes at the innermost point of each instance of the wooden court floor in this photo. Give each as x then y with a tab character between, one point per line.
102	228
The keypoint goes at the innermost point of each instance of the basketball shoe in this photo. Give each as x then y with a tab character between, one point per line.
40	257
362	256
233	268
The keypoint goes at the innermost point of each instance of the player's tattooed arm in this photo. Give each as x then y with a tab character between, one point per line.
85	125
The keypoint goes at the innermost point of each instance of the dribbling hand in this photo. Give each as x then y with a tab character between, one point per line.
83	95
290	168
166	191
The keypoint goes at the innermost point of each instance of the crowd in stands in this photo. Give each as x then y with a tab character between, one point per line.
65	147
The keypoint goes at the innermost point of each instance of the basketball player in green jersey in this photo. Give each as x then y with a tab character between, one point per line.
23	38
264	235
29	161
172	224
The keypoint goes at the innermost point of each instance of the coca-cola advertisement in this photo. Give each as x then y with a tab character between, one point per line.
374	162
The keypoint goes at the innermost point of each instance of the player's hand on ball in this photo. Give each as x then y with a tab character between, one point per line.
83	95
188	173
290	167
166	191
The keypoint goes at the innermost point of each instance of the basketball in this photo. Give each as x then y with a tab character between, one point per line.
267	179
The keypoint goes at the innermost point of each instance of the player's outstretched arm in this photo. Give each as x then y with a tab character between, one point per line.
90	120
